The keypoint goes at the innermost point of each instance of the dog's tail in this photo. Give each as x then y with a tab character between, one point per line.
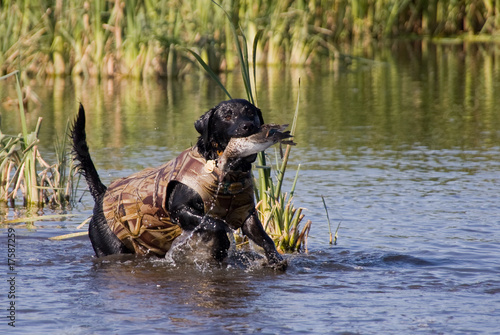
81	154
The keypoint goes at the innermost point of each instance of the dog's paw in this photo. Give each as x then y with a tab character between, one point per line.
280	266
277	265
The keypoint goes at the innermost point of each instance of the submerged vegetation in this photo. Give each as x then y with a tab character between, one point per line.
106	38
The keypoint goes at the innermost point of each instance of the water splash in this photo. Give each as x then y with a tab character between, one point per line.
214	200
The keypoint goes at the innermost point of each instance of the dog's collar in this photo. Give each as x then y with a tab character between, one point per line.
217	149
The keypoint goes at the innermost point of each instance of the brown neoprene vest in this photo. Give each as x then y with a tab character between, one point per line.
136	210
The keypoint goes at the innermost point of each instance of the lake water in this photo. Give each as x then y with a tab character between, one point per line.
404	145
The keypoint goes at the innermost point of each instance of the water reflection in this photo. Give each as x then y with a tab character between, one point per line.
414	93
183	295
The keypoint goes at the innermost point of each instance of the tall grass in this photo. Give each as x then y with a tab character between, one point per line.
23	171
106	38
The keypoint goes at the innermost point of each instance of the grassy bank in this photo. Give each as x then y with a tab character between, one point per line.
147	38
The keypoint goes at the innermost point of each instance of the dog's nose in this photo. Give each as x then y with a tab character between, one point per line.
248	128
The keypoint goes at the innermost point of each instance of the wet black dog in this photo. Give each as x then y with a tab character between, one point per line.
146	212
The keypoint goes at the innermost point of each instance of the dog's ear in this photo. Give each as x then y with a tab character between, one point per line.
202	126
203	123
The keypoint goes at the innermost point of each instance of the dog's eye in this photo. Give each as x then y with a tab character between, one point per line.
228	115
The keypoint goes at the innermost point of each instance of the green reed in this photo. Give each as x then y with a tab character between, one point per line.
281	218
143	38
24	171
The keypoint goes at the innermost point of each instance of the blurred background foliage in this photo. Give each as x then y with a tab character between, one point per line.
143	38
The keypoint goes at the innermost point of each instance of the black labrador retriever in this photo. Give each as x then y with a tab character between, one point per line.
147	212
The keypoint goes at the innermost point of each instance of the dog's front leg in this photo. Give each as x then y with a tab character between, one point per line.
252	228
187	210
185	206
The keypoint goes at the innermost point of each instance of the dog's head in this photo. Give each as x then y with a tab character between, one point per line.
232	118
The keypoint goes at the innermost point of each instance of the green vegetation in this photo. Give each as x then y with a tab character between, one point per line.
23	170
144	38
280	217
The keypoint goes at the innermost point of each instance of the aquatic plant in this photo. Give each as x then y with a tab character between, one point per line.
143	38
281	218
276	210
23	170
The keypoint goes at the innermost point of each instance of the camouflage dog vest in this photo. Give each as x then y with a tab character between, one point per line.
136	207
